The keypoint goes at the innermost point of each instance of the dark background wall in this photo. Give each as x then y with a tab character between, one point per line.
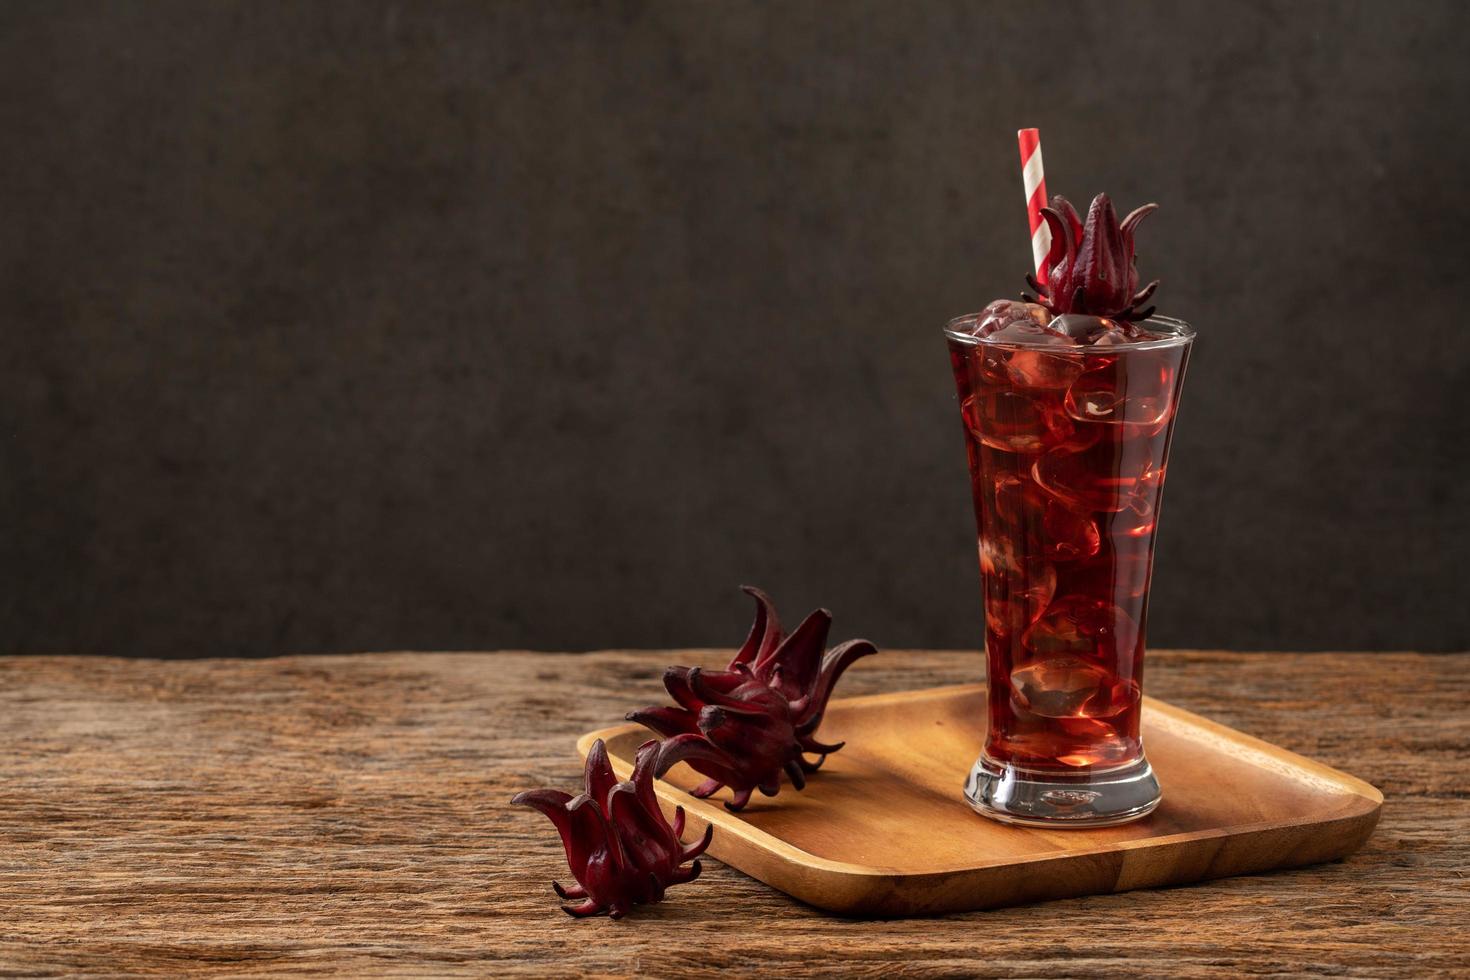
369	325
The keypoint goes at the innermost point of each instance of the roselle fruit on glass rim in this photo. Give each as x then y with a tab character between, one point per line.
753	722
1068	398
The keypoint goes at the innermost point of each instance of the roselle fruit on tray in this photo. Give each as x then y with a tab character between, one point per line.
619	846
747	725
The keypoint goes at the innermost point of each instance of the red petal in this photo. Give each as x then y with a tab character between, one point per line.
589	907
1062	273
567	894
698	847
684	876
598	774
765	632
647	841
548	801
810	744
603	866
582	828
756	744
837	660
666	721
1061	242
1102	265
1064	207
676	682
799	656
645	770
699	752
1130	224
714	687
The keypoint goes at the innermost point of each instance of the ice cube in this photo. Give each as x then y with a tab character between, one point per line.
1092	729
1115	334
1007	311
1080	626
1077	325
1028	332
1066	534
1066	687
1097	331
994	366
1086	329
1119	569
1136	391
1141	333
1040	369
1139	518
1015	421
1110	475
1025	326
1056	530
1016	589
998	556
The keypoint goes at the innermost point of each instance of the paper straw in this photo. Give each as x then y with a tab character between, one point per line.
1035	183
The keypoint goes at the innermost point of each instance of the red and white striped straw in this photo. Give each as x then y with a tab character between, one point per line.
1035	182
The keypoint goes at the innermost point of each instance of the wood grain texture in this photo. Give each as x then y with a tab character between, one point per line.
349	814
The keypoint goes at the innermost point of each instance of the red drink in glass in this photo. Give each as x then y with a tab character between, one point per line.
1067	423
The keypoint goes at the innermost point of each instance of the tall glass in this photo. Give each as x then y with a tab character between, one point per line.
1068	447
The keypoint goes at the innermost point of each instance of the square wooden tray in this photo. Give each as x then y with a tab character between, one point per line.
883	830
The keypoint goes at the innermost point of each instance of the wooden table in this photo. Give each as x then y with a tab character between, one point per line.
350	814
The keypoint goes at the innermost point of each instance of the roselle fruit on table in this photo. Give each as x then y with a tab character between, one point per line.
753	722
620	848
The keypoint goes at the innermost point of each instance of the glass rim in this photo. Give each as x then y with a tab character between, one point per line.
1179	333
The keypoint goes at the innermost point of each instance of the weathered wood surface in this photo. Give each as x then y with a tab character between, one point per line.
349	814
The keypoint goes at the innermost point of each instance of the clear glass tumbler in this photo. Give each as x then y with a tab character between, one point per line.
1068	448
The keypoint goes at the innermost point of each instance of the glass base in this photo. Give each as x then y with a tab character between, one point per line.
1010	794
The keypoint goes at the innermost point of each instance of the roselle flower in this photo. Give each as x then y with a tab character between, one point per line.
619	846
746	726
1090	269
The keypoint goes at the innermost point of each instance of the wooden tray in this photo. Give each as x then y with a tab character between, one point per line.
882	830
